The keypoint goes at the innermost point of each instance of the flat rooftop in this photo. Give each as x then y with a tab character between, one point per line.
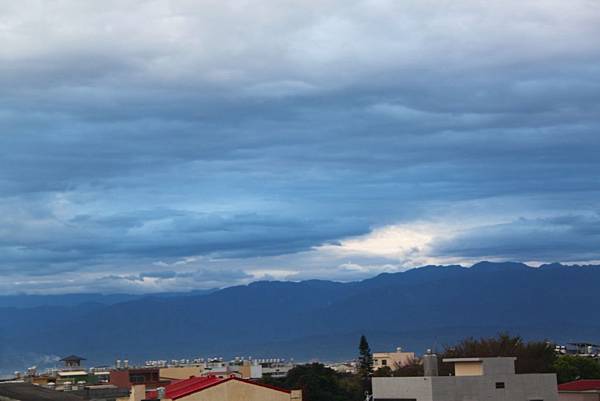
30	392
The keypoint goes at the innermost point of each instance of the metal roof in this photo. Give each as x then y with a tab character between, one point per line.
580	385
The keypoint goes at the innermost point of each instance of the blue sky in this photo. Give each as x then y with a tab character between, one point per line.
156	146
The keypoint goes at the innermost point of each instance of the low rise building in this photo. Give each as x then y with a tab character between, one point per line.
20	391
475	379
170	373
125	378
392	359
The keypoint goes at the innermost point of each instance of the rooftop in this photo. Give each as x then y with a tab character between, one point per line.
72	358
192	385
580	385
30	392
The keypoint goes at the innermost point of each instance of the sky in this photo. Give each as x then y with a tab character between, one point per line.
151	146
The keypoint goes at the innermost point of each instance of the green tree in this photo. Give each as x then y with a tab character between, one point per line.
414	368
384	371
319	383
532	357
365	363
571	367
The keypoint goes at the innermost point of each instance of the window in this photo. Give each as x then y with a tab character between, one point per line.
499	384
384	362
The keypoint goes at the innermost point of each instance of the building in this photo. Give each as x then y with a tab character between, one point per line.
392	359
474	379
212	388
15	391
72	361
170	373
148	376
579	349
579	390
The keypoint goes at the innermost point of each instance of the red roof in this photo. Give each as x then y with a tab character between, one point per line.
192	385
580	385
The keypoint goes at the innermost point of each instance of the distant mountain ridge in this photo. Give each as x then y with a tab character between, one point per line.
417	309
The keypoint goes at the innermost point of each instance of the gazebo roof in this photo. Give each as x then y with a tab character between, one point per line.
72	358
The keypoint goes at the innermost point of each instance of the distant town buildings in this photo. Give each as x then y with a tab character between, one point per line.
474	379
117	383
579	349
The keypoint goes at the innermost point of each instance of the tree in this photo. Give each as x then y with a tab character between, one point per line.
572	367
365	363
413	368
319	383
384	371
532	356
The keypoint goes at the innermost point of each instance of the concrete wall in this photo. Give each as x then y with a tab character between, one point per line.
467	388
402	387
499	366
235	390
578	396
478	388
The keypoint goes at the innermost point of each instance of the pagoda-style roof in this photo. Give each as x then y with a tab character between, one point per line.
72	358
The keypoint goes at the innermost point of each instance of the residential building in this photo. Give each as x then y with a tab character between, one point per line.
170	373
579	390
20	391
584	349
72	361
474	379
148	376
392	359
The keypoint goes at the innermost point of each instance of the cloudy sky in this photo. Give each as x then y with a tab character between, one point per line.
172	145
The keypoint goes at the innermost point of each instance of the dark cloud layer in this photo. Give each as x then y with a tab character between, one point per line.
140	133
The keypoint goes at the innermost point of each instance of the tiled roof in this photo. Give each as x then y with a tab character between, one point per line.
192	385
580	385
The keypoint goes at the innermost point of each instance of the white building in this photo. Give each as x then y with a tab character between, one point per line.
475	379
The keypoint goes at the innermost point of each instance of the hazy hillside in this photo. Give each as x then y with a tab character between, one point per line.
421	308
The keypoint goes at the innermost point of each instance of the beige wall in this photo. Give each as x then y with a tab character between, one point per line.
246	370
392	358
180	372
234	390
468	369
138	392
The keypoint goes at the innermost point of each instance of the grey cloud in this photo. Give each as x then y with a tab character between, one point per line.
571	238
149	131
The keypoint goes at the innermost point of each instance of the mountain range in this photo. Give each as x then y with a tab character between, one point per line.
426	307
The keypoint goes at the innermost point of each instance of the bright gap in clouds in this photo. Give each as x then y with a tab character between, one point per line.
166	146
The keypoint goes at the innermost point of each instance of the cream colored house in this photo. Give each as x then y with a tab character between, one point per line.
392	359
